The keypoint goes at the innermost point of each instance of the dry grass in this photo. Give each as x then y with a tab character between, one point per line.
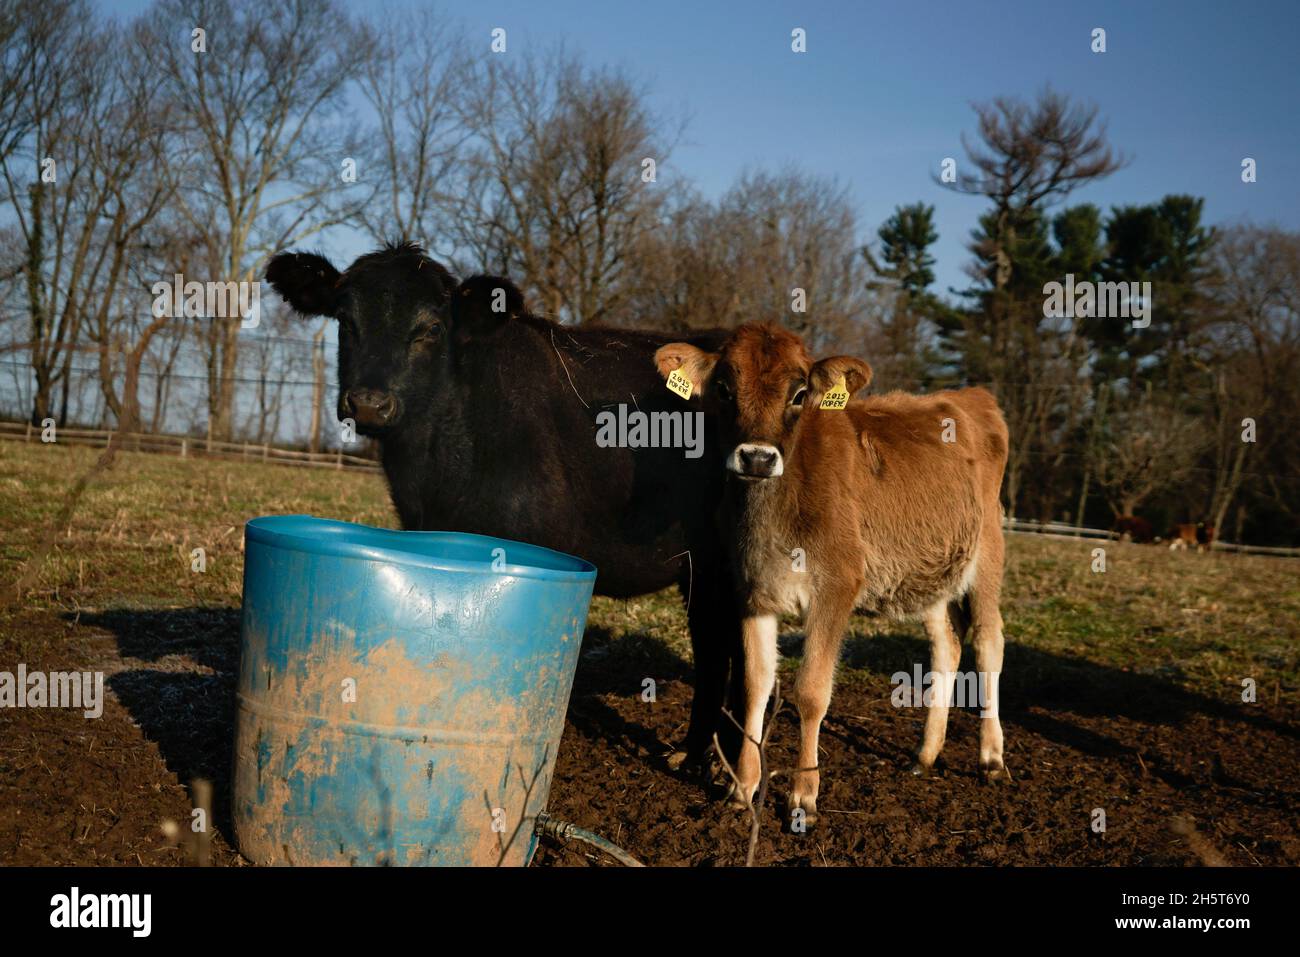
1200	621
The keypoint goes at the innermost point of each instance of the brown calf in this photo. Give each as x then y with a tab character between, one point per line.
889	505
1199	536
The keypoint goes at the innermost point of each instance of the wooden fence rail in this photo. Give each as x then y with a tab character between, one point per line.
1063	530
185	446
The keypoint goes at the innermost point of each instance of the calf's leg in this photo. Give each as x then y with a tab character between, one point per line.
759	637
986	628
945	656
826	624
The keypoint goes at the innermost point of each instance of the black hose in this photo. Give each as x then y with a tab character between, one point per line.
564	832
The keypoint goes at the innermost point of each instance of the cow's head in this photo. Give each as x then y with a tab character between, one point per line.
400	323
759	384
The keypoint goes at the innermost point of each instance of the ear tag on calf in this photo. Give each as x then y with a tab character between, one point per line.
837	397
679	383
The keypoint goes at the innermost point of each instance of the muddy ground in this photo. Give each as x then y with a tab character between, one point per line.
1122	692
1182	779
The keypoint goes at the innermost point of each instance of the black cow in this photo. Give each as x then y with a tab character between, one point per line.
486	418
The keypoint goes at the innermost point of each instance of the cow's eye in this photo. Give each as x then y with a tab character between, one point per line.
796	400
724	390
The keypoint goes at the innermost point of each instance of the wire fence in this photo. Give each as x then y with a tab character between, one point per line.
1065	530
186	446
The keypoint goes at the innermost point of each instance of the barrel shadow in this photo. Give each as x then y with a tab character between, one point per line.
186	703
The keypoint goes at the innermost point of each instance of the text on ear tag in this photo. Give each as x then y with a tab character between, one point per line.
679	383
837	396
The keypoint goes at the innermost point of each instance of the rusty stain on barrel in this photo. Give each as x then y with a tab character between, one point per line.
401	694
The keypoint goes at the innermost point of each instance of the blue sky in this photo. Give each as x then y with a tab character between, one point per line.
883	93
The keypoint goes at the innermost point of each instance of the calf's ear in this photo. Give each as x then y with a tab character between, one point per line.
485	302
307	282
827	372
696	364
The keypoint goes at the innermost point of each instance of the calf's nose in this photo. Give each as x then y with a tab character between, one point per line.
754	460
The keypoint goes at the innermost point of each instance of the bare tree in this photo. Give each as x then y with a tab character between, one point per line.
1029	157
43	164
782	247
1149	446
415	83
1255	365
259	166
554	191
797	257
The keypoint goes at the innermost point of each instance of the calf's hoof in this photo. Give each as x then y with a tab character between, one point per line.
801	813
994	773
920	770
702	765
735	796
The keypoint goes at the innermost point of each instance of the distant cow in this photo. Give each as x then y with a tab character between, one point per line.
1199	536
889	505
485	416
1131	528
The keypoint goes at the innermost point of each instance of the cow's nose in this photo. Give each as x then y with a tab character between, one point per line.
754	460
371	407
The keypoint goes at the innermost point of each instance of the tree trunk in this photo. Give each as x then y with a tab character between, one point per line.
1083	496
223	411
1228	491
317	388
36	307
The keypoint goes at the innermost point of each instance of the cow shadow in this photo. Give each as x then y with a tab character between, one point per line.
1050	695
186	702
1053	696
619	667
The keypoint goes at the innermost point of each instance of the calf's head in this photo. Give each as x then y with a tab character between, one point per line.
400	321
762	384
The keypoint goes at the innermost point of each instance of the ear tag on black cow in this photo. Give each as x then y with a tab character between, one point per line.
680	384
837	397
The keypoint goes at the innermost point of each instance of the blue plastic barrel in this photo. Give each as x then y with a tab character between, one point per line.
401	694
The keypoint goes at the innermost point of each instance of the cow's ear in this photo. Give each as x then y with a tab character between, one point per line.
485	302
694	363
827	372
307	282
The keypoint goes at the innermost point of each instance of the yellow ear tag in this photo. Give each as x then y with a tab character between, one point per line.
837	397
679	383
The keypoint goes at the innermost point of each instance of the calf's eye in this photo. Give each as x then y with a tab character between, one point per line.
796	400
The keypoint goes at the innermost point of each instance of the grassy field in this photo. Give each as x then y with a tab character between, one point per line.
1194	624
1203	621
